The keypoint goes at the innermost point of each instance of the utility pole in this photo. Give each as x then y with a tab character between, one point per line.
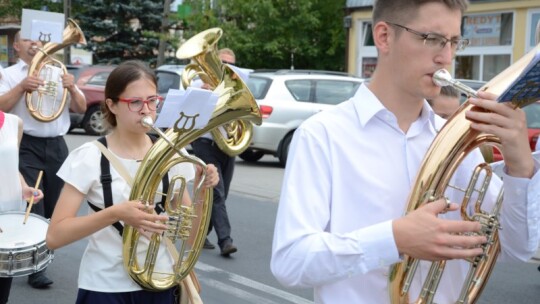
164	32
67	14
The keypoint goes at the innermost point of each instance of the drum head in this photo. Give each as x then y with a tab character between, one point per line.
22	246
15	234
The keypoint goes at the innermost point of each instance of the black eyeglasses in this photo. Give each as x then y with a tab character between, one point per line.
227	62
435	40
136	104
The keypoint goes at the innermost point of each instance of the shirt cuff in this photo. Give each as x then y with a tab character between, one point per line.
379	246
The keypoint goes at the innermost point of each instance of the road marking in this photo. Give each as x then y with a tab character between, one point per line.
248	283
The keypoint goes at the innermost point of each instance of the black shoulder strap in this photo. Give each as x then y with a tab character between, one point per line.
160	207
106	180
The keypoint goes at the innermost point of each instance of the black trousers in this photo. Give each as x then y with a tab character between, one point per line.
47	154
208	151
5	287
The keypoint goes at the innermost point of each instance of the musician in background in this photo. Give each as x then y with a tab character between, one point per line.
340	223
446	103
42	146
13	188
208	151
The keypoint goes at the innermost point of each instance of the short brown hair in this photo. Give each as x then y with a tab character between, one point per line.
449	91
399	11
126	73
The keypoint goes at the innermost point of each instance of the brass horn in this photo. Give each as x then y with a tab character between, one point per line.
188	223
42	103
202	49
451	145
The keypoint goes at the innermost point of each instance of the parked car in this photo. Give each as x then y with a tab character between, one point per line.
168	78
91	81
287	98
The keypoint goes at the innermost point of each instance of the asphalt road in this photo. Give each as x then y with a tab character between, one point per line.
245	278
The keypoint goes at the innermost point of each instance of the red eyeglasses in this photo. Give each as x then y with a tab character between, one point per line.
135	104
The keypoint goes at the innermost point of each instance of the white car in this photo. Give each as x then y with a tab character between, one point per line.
287	98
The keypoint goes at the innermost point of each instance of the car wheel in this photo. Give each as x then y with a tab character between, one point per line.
285	150
93	121
251	156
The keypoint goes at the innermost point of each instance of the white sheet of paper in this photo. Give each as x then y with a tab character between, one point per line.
191	102
169	111
46	31
29	16
242	72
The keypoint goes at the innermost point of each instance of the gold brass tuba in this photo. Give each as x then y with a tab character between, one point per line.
451	145
42	103
187	224
202	48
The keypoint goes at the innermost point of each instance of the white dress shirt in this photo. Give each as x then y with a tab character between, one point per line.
537	145
349	174
11	77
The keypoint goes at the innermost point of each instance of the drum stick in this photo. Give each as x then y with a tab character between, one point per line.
31	202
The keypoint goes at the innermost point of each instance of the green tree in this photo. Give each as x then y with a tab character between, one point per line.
14	7
306	34
121	30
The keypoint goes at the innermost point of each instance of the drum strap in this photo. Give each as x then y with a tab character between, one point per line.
106	180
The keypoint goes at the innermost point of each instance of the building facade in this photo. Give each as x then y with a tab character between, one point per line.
8	27
500	32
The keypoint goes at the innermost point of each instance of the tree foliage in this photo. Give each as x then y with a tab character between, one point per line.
14	7
274	34
112	31
306	34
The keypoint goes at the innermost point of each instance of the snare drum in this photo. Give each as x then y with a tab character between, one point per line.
22	246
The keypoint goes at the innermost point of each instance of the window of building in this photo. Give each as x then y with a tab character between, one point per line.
490	48
493	29
533	29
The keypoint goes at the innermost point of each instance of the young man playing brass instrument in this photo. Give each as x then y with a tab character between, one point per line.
340	228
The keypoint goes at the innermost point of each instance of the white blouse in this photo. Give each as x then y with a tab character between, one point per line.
102	266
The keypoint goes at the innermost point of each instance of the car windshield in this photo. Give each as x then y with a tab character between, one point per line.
99	79
167	81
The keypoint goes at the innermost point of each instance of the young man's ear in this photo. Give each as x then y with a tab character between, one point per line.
383	36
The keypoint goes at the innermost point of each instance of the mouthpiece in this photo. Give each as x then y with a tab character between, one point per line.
443	78
147	121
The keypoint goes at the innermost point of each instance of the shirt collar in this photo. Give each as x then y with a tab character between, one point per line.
23	66
367	106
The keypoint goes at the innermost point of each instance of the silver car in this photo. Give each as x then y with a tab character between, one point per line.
287	98
169	78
